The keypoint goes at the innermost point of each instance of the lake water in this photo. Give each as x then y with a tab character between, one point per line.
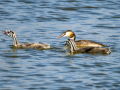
54	69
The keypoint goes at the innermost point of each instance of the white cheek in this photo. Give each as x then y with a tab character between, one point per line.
67	34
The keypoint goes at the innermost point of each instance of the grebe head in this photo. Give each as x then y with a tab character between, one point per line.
9	33
67	33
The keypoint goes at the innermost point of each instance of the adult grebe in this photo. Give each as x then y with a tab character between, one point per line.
80	43
25	45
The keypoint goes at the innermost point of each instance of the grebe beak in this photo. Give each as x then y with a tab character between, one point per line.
4	32
60	36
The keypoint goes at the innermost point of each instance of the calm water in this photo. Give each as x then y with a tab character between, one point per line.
53	69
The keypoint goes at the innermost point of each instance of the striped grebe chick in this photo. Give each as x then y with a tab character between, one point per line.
74	49
24	45
80	43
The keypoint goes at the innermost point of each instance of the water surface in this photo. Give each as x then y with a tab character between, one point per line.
54	69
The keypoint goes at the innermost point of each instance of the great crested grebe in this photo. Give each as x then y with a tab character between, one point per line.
80	43
74	49
25	45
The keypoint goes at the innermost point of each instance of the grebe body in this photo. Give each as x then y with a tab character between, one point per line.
80	43
24	45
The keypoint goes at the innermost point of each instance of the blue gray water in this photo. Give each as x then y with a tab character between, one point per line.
54	69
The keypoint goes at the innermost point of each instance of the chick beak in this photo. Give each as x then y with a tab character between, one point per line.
3	32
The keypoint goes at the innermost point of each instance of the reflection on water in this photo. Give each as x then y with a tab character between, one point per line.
43	21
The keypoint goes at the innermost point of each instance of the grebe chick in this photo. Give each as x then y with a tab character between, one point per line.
80	43
74	49
25	45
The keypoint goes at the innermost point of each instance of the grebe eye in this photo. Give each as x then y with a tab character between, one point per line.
12	32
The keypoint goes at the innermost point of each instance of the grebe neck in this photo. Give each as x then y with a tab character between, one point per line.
15	43
73	37
72	45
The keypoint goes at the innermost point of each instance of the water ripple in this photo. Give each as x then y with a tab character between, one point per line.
55	68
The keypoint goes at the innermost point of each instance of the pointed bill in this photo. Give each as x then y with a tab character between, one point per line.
60	36
3	32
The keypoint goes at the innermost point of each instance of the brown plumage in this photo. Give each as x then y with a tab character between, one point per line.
25	45
80	43
74	49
